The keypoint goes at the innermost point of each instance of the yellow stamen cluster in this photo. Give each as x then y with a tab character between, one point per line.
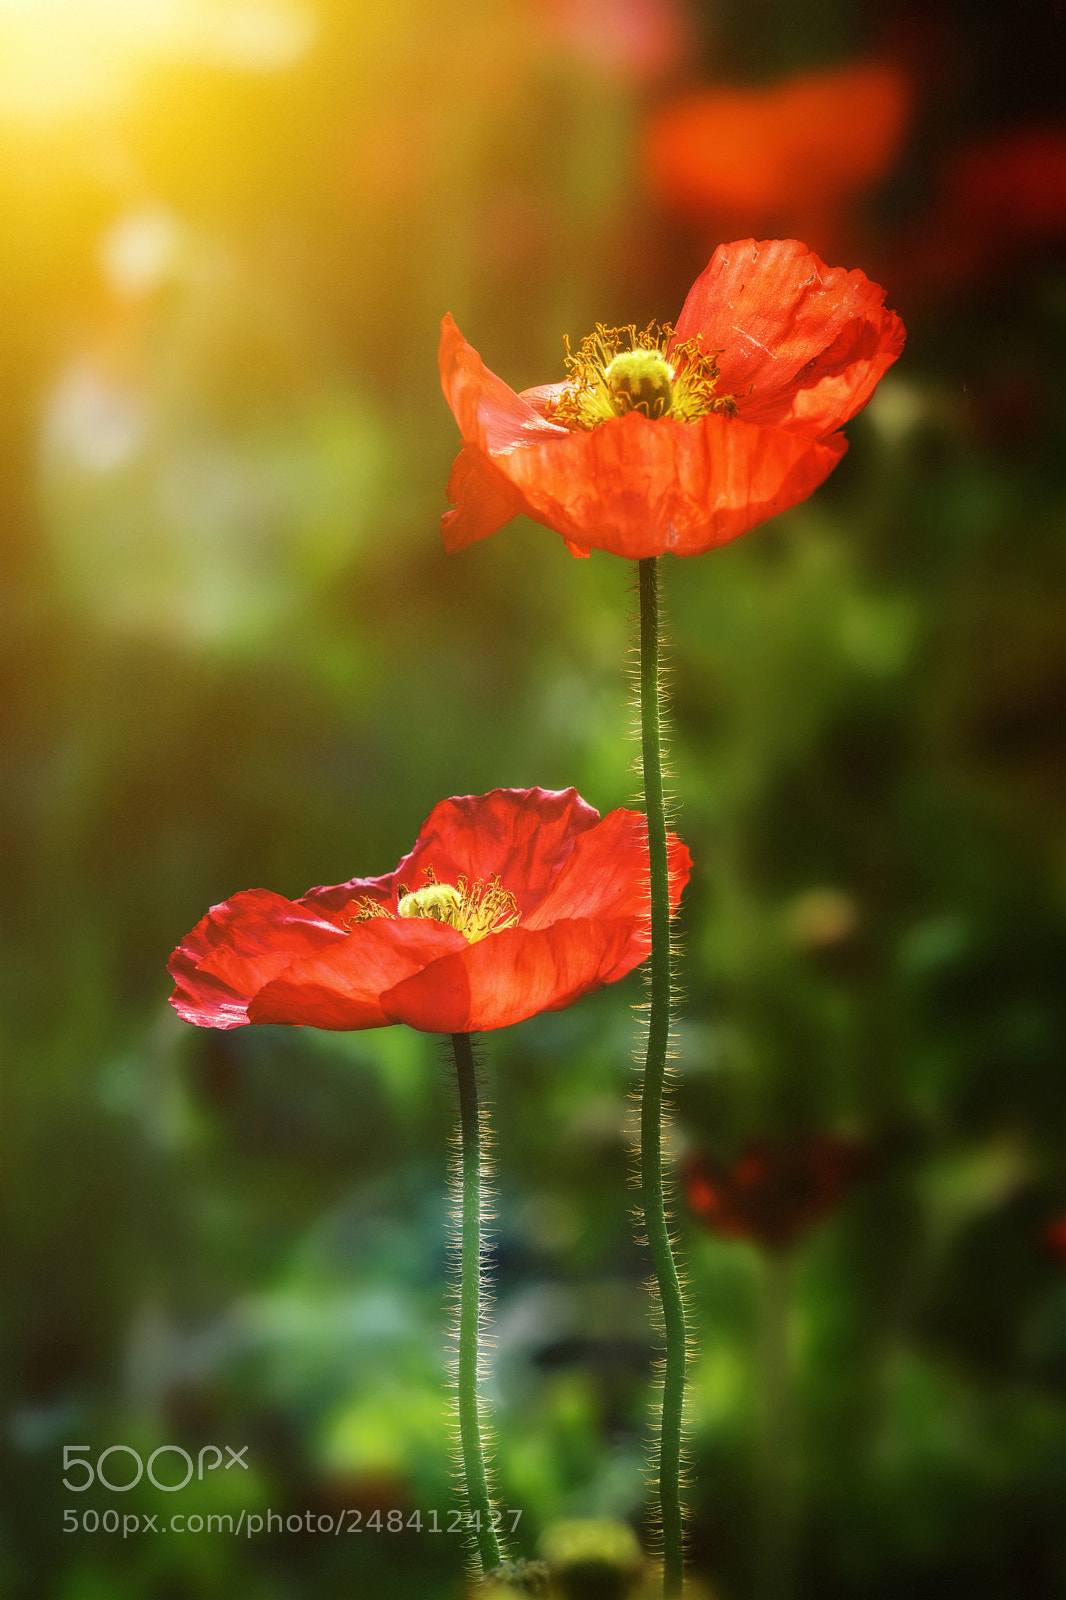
367	910
477	910
618	370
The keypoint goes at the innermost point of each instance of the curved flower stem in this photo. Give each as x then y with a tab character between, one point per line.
777	1511
651	1113
475	1477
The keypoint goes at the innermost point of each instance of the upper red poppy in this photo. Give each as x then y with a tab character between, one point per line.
772	352
510	903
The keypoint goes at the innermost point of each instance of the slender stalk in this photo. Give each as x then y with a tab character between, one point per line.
475	1477
777	1511
651	1113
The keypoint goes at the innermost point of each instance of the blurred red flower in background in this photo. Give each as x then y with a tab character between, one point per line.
774	1192
510	903
997	199
783	159
732	417
1053	1236
629	41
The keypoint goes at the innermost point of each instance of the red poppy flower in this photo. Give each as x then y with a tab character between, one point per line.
775	1192
1053	1237
692	435
510	903
785	155
998	199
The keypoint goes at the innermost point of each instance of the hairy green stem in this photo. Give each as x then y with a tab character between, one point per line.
475	1477
651	1112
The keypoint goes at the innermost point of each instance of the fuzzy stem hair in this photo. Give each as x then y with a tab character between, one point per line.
470	1167
660	1010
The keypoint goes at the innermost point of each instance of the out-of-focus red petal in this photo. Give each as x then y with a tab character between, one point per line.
997	199
800	342
640	488
513	975
797	146
237	948
340	988
773	1193
523	836
1013	184
606	874
1053	1235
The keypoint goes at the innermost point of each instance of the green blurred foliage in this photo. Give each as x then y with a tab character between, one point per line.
234	653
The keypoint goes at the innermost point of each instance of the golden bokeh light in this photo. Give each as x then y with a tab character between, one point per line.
68	58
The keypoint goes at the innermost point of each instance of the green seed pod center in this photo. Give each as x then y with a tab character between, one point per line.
441	902
476	909
641	380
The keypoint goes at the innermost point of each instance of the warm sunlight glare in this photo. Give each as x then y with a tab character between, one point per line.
63	58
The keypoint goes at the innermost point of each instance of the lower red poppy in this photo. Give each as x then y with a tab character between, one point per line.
511	903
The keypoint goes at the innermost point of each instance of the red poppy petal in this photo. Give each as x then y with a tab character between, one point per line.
340	988
240	945
483	499
799	341
510	976
489	413
640	488
203	999
523	836
544	396
606	874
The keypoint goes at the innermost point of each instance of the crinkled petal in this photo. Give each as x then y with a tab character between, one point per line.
640	488
340	988
238	947
522	836
799	342
510	976
606	875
